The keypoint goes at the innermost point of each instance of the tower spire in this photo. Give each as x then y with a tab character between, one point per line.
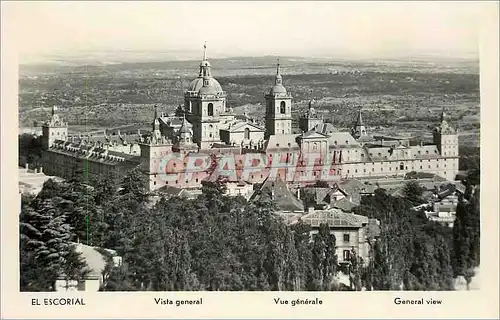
359	119
278	80
359	127
156	122
54	109
205	65
443	114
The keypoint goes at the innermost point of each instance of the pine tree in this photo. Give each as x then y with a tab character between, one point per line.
461	240
45	241
324	259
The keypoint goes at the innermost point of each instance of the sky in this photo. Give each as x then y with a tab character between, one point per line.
319	29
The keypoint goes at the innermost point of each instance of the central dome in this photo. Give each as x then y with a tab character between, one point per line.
197	86
277	89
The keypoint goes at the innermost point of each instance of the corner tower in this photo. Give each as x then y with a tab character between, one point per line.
278	108
445	138
54	129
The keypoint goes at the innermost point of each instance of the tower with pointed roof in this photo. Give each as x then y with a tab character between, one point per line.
54	129
154	148
310	118
359	129
184	143
278	107
445	137
205	102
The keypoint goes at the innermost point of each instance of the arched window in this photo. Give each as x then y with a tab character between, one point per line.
401	166
210	109
247	133
282	107
211	128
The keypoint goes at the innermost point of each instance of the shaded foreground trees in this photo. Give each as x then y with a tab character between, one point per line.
215	242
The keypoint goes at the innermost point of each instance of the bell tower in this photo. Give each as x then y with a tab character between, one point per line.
278	107
310	119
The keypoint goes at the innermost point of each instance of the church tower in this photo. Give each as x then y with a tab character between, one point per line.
310	119
205	102
278	108
359	129
54	129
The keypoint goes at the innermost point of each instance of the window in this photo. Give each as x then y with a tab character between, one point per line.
401	166
247	133
346	237
347	255
282	107
154	183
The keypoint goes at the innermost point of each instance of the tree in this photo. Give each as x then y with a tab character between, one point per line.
45	243
133	186
413	192
324	259
461	240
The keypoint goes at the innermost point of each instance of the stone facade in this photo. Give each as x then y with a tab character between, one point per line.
209	127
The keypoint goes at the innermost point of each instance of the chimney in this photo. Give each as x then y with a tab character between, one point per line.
310	209
27	166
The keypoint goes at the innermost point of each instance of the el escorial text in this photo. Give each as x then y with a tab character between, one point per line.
58	302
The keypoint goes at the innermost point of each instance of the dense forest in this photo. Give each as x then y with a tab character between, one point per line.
216	242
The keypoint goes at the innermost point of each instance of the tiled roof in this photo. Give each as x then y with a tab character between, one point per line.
284	199
325	128
344	204
355	188
335	218
239	126
313	134
342	139
282	142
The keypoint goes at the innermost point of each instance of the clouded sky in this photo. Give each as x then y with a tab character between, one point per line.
328	29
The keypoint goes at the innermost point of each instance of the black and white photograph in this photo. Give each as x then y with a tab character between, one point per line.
291	169
249	147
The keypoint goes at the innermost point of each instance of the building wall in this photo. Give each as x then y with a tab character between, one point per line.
51	134
239	136
88	285
356	241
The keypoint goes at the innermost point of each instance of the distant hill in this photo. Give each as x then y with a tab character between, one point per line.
234	66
